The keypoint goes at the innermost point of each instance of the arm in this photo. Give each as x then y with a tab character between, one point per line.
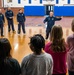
17	18
57	18
6	15
12	13
46	19
47	47
17	68
50	66
68	42
24	17
3	19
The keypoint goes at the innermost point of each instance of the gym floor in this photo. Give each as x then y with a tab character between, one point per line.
34	25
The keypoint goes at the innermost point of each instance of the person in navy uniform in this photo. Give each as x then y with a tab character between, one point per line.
2	20
9	15
50	22
21	21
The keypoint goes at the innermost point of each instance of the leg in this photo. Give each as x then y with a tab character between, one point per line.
19	28
23	27
12	25
9	26
2	30
71	72
47	33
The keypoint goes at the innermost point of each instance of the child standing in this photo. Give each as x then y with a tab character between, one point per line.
57	48
70	56
37	63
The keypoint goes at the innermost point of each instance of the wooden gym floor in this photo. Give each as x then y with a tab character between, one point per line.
34	25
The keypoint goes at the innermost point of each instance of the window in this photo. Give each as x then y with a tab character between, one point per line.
8	1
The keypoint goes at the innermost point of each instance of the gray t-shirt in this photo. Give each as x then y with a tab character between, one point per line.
37	64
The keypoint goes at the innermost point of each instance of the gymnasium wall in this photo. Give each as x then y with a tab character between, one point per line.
31	7
34	10
64	10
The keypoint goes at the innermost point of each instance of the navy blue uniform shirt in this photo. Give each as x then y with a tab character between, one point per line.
2	20
51	21
21	17
8	14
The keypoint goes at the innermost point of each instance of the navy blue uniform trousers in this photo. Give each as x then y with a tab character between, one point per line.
10	24
1	28
21	24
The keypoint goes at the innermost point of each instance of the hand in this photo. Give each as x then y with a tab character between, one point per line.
11	17
17	22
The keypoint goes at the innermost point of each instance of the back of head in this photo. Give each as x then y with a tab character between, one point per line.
56	37
72	25
37	43
5	48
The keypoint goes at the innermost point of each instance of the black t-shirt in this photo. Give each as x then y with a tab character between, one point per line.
10	66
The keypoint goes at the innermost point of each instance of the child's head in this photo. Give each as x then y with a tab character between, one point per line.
58	43
72	25
37	43
5	48
56	32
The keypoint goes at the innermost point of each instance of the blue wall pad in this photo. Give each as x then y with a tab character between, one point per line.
64	10
34	10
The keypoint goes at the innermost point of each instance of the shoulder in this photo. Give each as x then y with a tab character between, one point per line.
6	12
70	36
11	11
17	14
48	44
26	58
12	60
48	57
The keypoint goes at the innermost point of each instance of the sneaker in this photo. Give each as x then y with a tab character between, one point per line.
2	35
24	34
14	31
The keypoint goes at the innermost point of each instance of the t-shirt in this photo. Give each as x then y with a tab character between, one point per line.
59	60
70	55
10	66
37	64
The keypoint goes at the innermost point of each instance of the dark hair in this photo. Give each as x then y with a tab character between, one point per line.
5	48
20	9
72	25
56	37
38	42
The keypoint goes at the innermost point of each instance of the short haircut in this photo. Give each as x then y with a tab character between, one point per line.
38	42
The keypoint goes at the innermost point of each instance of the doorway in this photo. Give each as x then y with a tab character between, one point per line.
48	8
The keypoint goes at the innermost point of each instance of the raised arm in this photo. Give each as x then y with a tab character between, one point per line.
58	18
